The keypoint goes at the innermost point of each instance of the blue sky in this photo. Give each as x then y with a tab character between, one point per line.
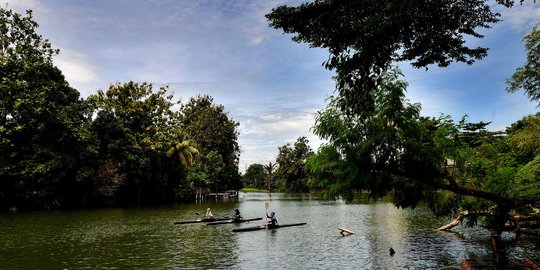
270	85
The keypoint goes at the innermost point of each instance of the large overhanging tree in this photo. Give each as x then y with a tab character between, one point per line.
377	141
489	178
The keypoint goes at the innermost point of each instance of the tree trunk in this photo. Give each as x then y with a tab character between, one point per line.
497	226
455	222
497	245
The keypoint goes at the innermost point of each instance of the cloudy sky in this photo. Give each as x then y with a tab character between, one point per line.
269	84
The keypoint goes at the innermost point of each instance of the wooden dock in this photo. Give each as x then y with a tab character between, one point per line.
229	194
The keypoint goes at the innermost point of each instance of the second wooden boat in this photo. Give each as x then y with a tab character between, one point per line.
270	227
233	221
200	220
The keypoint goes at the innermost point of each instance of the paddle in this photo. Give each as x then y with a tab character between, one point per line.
266	205
224	216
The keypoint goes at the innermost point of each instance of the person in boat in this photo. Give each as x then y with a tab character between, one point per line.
209	214
272	219
237	215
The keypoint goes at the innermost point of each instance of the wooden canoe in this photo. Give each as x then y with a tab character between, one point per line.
263	227
229	221
201	220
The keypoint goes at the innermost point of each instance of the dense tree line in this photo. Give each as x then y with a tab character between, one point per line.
128	145
291	174
287	174
255	176
217	140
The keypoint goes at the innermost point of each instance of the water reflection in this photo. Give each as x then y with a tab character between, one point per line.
147	238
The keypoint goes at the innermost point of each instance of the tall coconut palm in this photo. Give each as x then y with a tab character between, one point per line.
184	151
269	169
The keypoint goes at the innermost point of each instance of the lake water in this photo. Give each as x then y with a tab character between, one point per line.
146	238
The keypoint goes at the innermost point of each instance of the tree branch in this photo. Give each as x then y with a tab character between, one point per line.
453	186
455	222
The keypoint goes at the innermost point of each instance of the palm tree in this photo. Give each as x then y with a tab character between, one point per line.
184	151
269	168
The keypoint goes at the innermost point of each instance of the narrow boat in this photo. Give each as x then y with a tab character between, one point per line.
201	220
263	227
233	221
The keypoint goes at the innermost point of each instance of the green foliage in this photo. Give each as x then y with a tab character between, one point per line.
44	144
524	139
527	77
216	139
364	37
327	171
291	174
255	176
378	142
123	146
488	168
209	168
503	165
395	151
137	129
269	183
184	151
19	40
374	153
528	181
145	113
252	190
366	32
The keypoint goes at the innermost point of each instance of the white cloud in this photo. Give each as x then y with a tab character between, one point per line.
523	16
80	71
76	66
261	135
279	123
434	101
22	5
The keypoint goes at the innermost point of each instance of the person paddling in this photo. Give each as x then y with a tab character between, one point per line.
273	221
209	214
237	215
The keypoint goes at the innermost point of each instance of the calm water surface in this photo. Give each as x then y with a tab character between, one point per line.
147	238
